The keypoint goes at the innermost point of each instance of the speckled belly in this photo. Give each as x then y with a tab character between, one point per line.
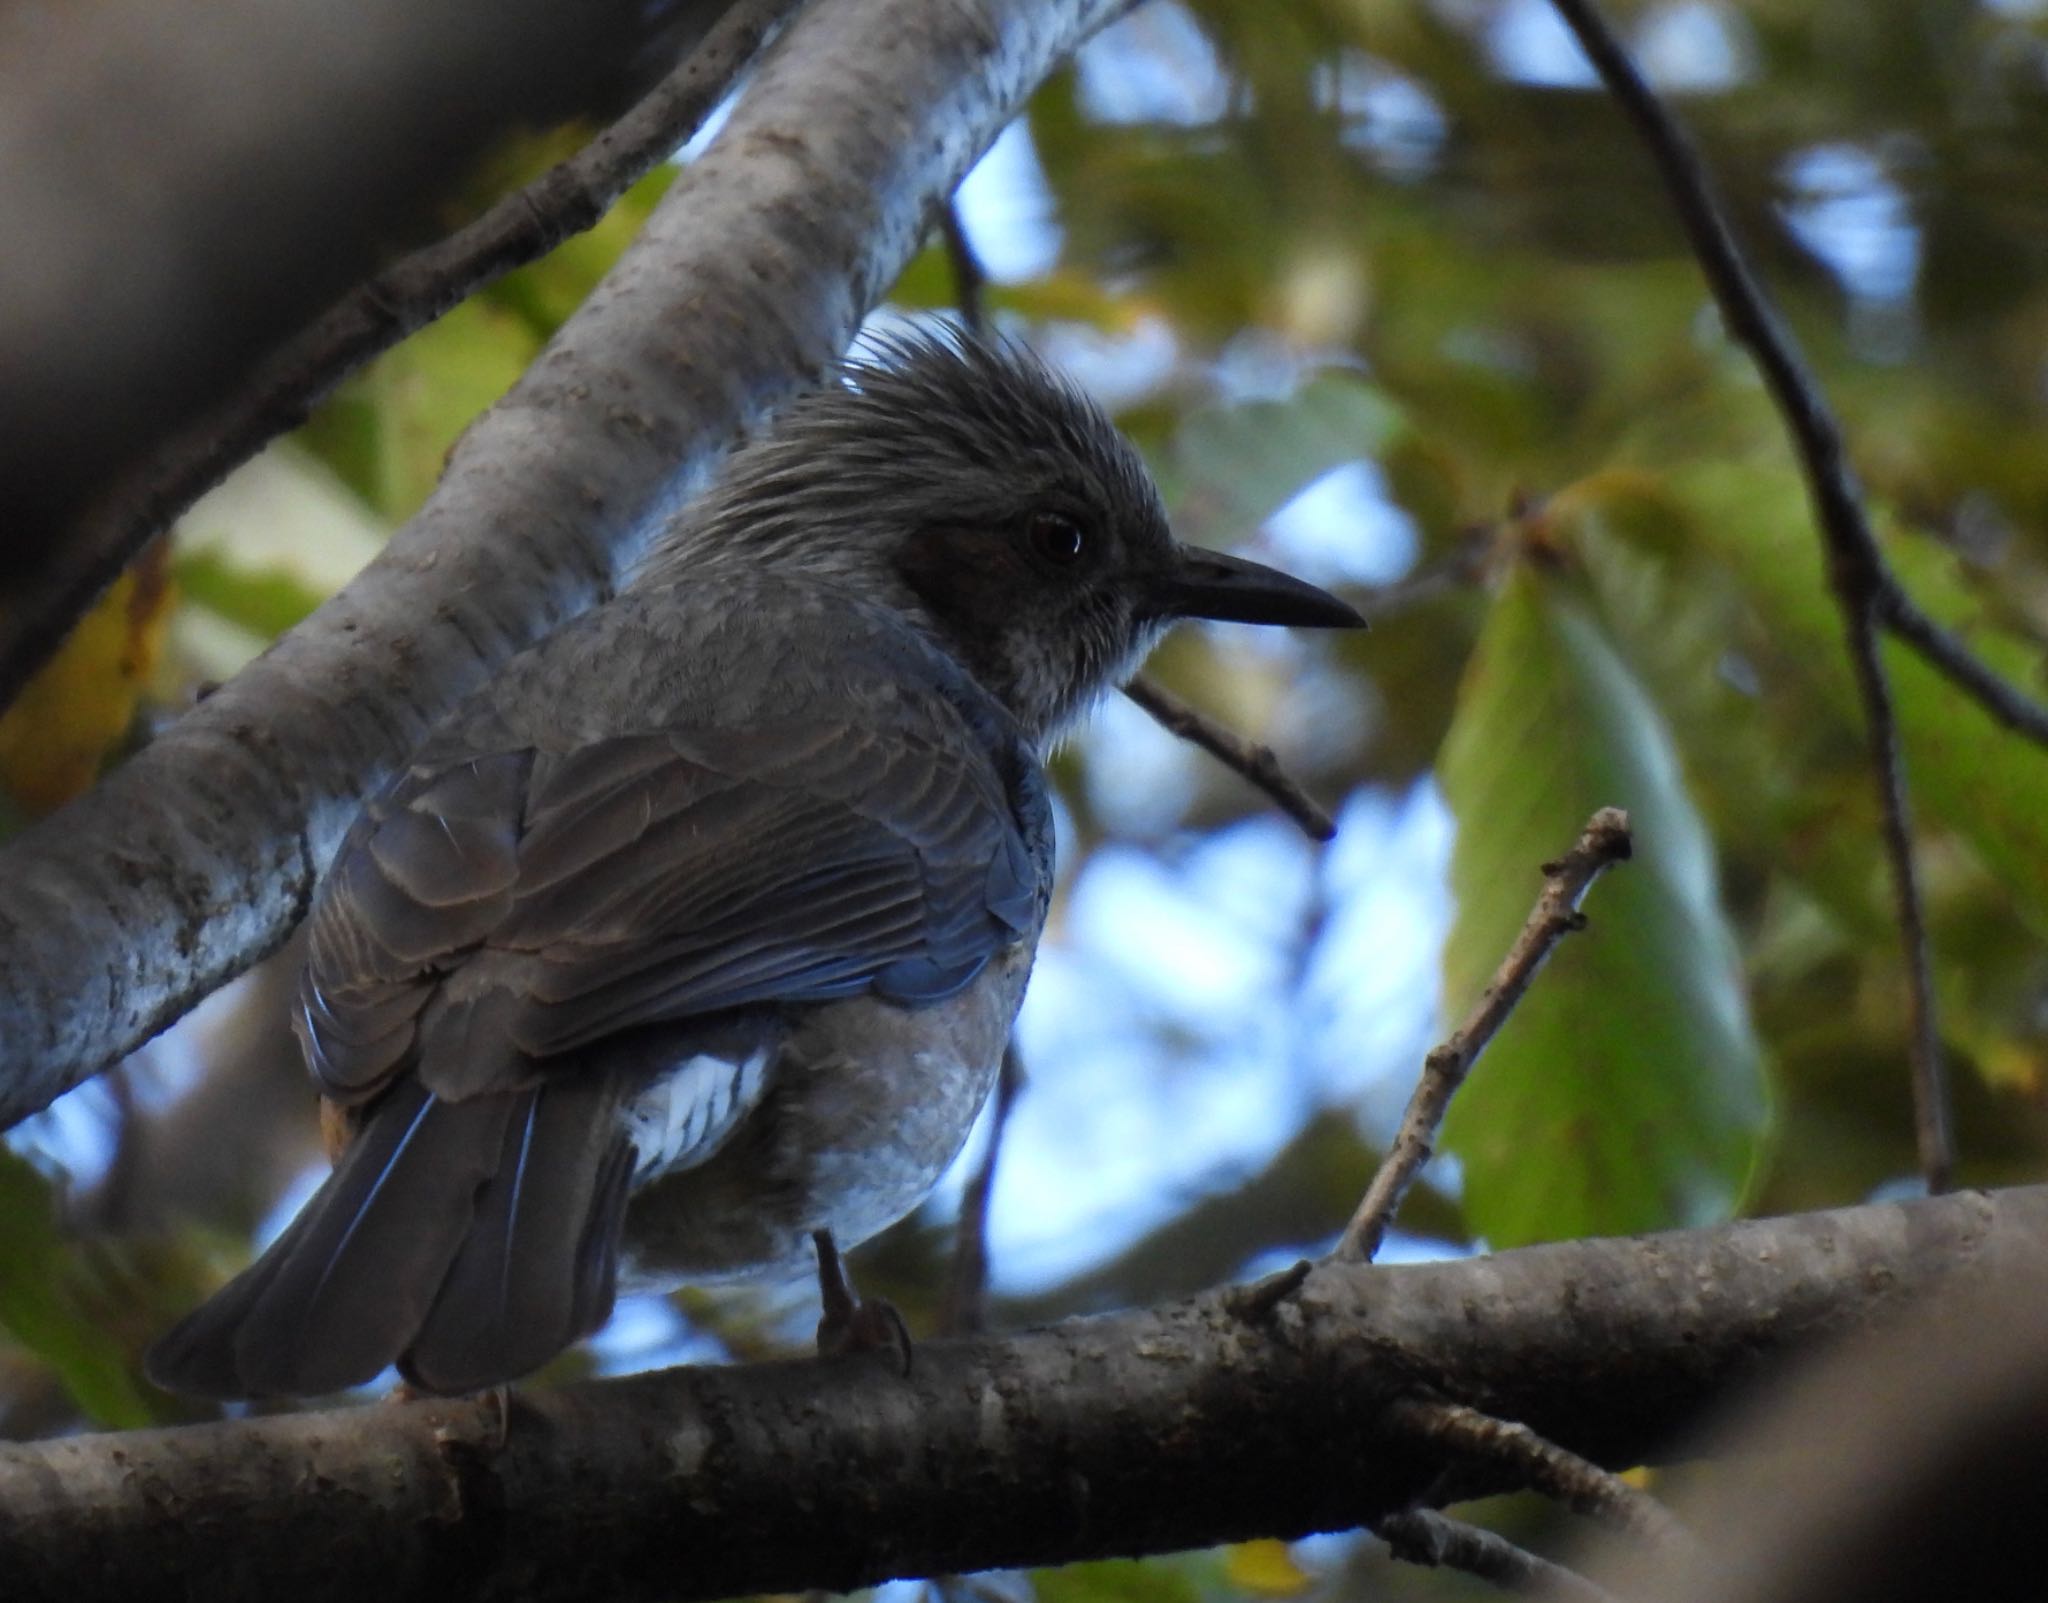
867	1104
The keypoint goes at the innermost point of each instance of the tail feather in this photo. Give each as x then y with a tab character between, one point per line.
364	1272
527	1280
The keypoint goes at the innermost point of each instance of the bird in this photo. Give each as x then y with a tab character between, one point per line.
690	943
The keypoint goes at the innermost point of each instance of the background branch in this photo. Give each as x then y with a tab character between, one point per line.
395	301
1856	567
1423	1536
181	190
1255	764
197	856
1542	1466
1134	1433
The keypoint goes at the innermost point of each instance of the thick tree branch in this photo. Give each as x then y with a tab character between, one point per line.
1131	1433
752	275
1868	594
375	315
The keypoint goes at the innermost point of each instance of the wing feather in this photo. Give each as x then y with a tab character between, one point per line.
494	911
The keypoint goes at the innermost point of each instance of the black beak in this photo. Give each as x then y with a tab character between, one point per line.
1208	584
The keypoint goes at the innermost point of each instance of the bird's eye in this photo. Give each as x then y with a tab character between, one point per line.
1057	539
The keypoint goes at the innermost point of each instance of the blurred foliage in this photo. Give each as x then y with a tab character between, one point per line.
1291	241
79	707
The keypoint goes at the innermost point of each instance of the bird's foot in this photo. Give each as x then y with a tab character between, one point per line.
851	1324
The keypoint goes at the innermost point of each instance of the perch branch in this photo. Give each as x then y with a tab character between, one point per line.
1140	1432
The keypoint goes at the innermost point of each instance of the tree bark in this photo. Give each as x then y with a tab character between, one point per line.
1203	1422
198	856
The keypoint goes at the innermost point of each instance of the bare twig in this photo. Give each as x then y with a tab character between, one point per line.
1423	1536
970	278
1253	762
1864	588
966	1308
1604	842
1578	1483
371	318
1941	648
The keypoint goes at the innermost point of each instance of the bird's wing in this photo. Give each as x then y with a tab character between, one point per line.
493	912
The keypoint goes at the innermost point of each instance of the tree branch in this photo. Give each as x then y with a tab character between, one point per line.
1856	567
1255	764
1422	1536
1603	843
1542	1466
375	315
1133	1433
199	855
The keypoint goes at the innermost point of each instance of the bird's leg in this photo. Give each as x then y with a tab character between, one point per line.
848	1323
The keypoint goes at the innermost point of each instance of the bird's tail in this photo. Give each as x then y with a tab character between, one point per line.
468	1242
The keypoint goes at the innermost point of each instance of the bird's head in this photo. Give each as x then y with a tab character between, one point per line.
964	480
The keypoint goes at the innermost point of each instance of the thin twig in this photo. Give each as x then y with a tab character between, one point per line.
1436	1541
380	312
1934	1136
1945	651
966	1308
1543	1466
970	278
1251	761
1856	568
1604	842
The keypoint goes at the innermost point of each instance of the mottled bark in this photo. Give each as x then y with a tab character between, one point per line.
197	857
1206	1421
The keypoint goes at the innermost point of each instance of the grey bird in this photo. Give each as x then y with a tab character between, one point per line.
701	928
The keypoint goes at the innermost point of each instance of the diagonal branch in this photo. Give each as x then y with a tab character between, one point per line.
1604	842
1133	1433
1422	1536
1255	764
1864	587
1543	1466
197	857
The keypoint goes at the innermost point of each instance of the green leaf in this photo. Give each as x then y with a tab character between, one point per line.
1626	1092
46	1297
1968	772
266	600
388	431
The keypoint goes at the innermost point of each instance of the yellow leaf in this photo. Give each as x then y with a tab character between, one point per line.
79	706
1266	1569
